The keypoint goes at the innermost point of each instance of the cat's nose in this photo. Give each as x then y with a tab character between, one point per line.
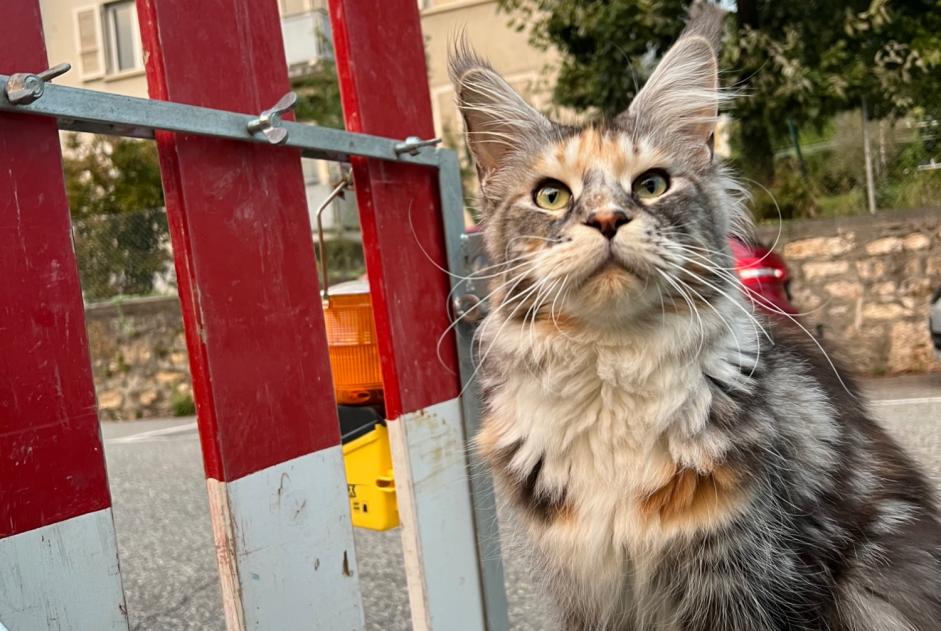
607	222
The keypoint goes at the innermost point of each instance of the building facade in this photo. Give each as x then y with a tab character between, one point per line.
102	42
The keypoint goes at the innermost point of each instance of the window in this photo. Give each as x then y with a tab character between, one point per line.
108	39
88	38
122	37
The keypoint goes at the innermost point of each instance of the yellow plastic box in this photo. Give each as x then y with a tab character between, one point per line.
369	480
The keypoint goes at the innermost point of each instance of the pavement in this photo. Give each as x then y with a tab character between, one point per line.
167	553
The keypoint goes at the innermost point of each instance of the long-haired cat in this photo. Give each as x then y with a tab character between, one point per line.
678	461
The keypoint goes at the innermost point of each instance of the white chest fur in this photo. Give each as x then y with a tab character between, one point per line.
608	423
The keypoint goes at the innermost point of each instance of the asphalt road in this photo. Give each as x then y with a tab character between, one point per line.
166	546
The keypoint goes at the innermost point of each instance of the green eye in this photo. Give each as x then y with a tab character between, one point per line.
552	195
651	184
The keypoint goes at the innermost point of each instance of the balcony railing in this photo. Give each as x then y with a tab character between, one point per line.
306	40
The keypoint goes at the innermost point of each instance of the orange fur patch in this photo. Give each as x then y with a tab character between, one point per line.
487	438
691	499
566	514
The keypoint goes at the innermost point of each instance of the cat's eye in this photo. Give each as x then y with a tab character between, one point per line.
552	195
651	184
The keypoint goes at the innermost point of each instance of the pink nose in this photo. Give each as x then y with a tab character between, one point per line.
607	222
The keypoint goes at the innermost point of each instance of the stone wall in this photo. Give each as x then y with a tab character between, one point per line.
139	358
865	283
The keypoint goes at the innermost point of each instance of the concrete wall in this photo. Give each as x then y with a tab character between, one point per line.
865	283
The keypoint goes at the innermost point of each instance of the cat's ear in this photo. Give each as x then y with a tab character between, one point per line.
497	119
681	98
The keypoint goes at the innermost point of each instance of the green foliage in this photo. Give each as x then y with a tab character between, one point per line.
319	97
907	186
116	201
797	60
183	404
344	259
809	64
608	47
792	196
832	182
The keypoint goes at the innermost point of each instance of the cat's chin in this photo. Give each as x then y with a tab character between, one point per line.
610	285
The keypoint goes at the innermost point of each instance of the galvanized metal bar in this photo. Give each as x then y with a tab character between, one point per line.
484	504
78	109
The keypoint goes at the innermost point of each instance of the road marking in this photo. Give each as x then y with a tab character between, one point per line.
916	400
153	434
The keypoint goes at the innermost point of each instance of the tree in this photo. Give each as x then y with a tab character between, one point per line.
116	203
608	48
319	96
790	60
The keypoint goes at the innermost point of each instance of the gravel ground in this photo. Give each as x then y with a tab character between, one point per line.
166	546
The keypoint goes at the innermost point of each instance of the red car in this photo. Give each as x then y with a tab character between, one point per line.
765	276
763	273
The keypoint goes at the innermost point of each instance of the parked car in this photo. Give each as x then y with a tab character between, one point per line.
934	321
764	275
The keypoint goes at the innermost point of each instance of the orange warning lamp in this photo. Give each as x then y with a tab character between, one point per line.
351	340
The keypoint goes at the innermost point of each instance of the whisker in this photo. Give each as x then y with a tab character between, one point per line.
517	279
481	361
692	307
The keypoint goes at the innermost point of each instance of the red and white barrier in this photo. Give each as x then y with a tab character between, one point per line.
254	325
400	214
254	328
58	556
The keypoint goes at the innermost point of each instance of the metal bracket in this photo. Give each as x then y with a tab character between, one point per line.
345	182
470	305
269	121
24	87
413	145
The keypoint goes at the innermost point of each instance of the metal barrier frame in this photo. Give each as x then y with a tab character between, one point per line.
455	576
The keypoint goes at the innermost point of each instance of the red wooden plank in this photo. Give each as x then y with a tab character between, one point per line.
51	461
242	241
383	83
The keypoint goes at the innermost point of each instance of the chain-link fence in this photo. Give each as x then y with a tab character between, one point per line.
831	172
124	254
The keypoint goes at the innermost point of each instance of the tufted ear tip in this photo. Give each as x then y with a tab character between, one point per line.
706	20
682	96
496	118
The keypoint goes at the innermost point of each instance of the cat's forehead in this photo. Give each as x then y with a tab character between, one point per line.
612	151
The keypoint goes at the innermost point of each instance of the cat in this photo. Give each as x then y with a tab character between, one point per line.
677	461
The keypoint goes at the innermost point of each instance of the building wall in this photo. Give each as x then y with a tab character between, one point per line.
59	25
488	31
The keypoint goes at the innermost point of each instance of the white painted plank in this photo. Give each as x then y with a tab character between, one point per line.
437	522
285	545
64	577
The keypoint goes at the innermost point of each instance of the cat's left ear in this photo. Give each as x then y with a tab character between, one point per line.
681	97
497	120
